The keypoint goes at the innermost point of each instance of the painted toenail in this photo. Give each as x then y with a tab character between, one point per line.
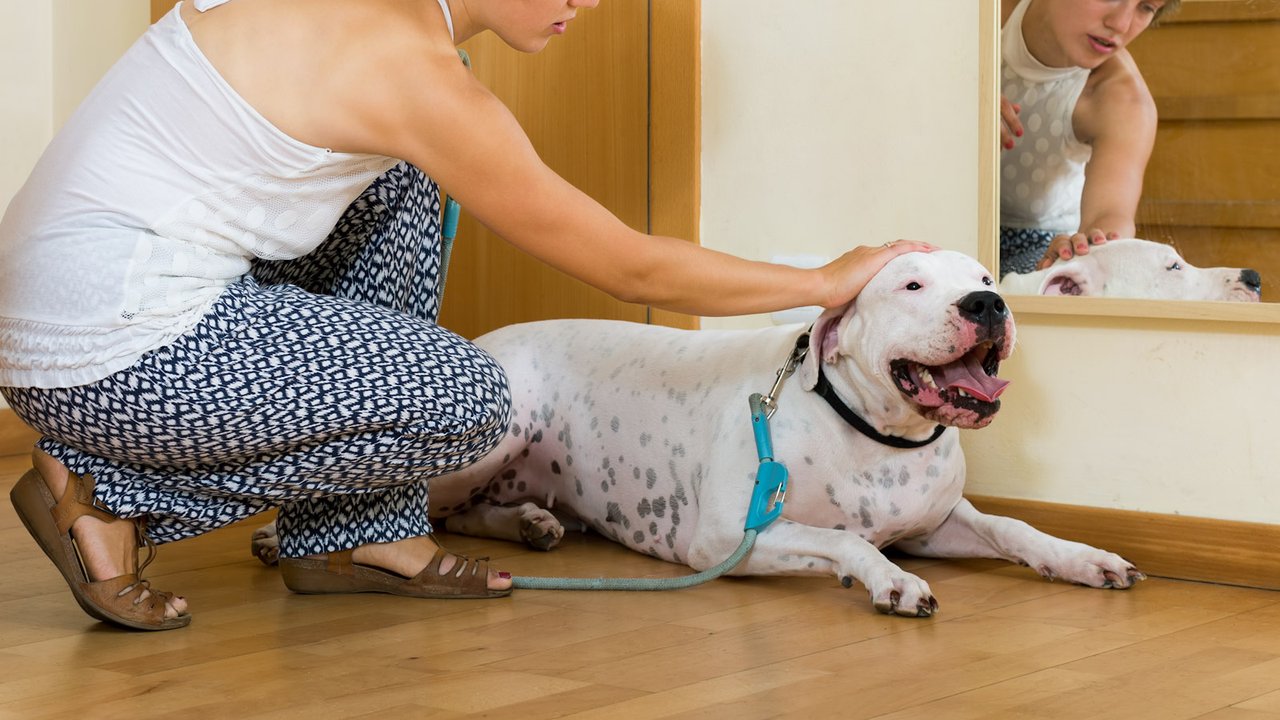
504	575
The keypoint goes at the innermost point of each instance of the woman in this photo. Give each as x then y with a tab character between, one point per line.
1078	126
217	291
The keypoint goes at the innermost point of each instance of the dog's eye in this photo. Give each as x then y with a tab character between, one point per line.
1175	266
988	281
913	286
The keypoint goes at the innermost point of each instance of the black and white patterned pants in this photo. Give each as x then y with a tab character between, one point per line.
320	385
1022	248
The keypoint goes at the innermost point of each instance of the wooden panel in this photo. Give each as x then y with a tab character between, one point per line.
160	7
675	129
1174	546
1187	60
15	437
584	103
1227	161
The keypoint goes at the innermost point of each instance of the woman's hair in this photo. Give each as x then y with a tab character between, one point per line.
1165	11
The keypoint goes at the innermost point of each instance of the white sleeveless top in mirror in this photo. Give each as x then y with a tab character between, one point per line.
155	195
1042	177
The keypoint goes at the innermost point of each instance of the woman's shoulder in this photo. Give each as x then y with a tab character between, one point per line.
1115	95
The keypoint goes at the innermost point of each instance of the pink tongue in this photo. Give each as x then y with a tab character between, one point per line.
967	374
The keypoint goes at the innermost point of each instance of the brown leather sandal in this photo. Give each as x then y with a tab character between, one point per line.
119	600
468	578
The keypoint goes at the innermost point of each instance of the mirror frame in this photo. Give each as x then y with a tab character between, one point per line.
989	217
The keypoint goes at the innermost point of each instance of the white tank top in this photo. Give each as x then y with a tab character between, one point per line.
155	195
1042	177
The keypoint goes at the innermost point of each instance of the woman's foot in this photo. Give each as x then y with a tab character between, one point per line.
108	550
408	557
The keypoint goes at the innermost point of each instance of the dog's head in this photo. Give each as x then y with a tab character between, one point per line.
1135	268
921	344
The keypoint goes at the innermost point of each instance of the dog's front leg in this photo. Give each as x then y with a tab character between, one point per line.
969	533
789	548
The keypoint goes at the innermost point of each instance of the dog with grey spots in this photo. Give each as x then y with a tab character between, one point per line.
644	434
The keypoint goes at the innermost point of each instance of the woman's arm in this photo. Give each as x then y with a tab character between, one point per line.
428	109
1116	117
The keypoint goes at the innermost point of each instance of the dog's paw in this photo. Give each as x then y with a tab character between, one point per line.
897	592
1093	567
539	527
265	545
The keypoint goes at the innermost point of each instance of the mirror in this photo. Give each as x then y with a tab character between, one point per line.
1211	189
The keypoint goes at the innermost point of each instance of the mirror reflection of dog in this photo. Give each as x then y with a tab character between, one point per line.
1134	268
643	434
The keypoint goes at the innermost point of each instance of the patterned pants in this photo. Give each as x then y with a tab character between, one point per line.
320	385
1022	248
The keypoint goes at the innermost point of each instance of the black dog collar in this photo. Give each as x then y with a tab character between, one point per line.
824	389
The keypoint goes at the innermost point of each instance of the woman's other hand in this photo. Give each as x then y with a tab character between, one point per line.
1010	123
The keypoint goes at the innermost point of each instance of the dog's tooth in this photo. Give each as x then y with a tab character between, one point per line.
927	377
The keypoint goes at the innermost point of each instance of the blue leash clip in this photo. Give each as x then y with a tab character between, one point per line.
771	477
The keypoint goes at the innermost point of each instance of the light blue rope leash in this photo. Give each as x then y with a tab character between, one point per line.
449	221
767	496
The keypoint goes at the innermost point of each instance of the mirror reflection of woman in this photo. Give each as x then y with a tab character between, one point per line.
1077	126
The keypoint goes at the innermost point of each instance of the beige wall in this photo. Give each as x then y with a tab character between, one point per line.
827	124
52	52
816	136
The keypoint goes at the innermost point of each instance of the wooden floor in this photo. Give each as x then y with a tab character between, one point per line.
1005	645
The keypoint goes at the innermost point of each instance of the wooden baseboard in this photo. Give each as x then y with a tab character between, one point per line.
1172	546
16	438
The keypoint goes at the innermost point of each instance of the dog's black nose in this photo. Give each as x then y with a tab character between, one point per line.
1251	279
984	308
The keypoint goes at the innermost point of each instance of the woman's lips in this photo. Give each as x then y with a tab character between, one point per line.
560	27
1103	46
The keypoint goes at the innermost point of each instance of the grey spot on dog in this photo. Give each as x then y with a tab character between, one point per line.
568	460
537	437
577	486
924	489
831	494
508	474
644	439
613	513
675	511
547	414
932	471
904	477
680	494
894	510
677	450
615	423
555	467
613	477
839	526
784	558
653	528
515	429
604	464
639	538
650	477
659	506
866	517
864	501
635	472
671	538
604	485
520	486
594	423
808	460
642	509
810	565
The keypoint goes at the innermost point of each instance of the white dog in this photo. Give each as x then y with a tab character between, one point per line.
1135	268
644	434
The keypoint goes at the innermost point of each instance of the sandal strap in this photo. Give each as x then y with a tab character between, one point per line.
123	594
339	563
77	501
468	575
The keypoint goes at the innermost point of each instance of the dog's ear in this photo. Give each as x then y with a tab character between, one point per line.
1078	276
824	343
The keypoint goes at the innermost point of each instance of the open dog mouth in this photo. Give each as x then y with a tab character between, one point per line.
952	391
